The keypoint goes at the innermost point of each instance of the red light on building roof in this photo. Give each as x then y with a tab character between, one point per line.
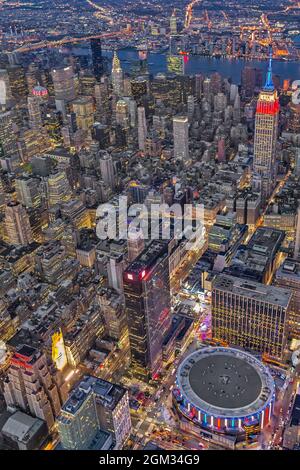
143	274
18	363
22	357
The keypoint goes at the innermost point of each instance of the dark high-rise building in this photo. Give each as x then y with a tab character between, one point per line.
251	80
98	62
139	89
17	81
147	296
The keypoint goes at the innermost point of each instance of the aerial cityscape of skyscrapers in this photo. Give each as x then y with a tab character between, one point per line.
150	225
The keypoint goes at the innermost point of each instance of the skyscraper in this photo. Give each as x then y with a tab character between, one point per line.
147	300
142	128
58	188
84	109
251	315
181	138
112	406
122	114
94	409
173	23
78	422
64	84
5	90
117	75
34	111
28	191
288	276
30	386
8	141
17	81
17	224
297	240
98	63
139	89
135	245
266	132
107	169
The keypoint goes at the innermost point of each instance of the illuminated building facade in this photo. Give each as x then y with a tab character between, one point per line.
250	315
40	92
58	188
83	335
147	300
7	136
112	407
5	91
206	397
266	133
117	76
95	407
84	109
64	84
78	423
17	224
34	111
122	114
259	259
175	64
59	356
181	138
139	89
288	277
17	81
30	386
28	191
173	23
107	169
142	128
49	262
113	310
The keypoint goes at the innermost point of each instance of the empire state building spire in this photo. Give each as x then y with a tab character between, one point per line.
269	85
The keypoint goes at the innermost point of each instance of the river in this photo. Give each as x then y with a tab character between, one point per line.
228	68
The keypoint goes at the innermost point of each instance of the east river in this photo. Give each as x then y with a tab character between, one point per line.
228	68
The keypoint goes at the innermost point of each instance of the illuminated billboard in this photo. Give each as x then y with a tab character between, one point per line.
59	356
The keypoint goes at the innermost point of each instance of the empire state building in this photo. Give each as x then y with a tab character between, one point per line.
266	133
